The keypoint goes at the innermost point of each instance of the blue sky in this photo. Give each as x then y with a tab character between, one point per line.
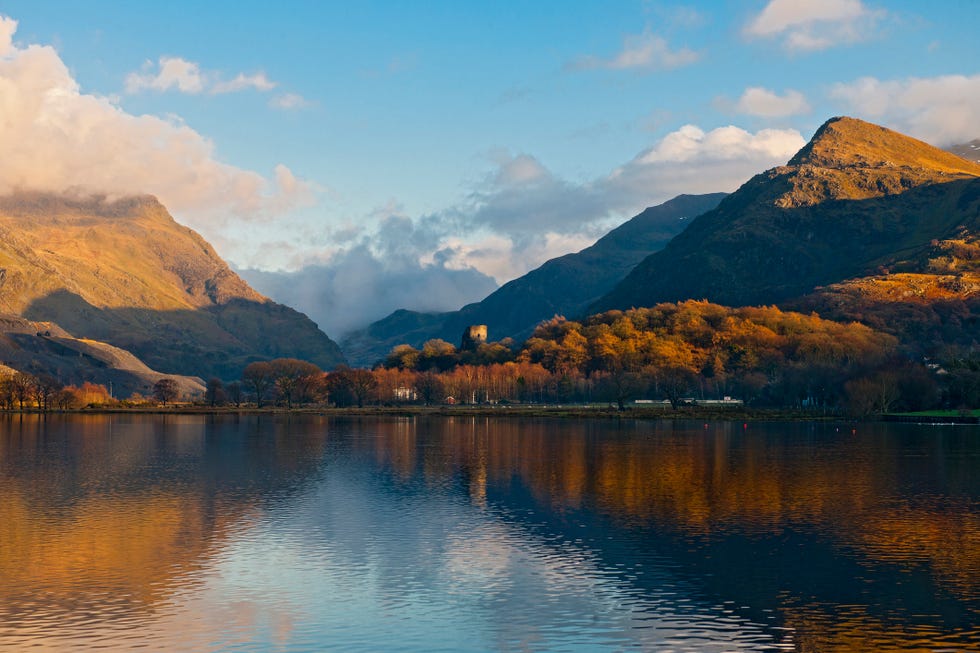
420	153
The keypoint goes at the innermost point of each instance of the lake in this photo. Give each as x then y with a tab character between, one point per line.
308	533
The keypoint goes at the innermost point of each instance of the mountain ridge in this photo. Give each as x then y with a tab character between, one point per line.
856	198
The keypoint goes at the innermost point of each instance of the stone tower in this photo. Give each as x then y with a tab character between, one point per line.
474	336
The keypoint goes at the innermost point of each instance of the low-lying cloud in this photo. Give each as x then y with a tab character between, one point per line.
401	264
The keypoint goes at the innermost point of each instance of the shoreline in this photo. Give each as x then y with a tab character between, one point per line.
511	411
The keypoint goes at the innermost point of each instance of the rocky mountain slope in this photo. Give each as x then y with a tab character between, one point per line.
561	286
857	201
125	273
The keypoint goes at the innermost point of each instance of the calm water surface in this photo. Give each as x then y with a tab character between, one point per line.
123	533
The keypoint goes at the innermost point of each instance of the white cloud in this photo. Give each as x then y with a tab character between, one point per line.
691	160
807	25
757	101
645	52
172	73
289	101
242	82
57	138
941	110
175	73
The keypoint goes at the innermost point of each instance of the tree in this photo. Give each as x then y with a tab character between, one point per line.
214	393
437	354
7	394
405	357
429	388
294	379
235	393
348	386
43	389
22	385
259	376
675	382
67	398
166	390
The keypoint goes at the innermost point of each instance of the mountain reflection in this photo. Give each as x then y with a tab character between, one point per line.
107	508
474	533
800	518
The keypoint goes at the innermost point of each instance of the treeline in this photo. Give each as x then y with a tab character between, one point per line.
763	356
23	391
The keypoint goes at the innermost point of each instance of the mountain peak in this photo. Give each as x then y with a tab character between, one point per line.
845	142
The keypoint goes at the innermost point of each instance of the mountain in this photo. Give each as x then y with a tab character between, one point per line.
125	273
858	200
44	349
561	286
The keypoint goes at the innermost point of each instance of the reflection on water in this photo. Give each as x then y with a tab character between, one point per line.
298	534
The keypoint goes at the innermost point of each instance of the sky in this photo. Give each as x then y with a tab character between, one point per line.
354	158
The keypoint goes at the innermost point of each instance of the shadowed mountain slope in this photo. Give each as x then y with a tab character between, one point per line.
44	349
561	286
857	200
125	273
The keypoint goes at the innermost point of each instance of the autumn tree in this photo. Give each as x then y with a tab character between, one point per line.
403	357
294	379
66	398
438	355
89	394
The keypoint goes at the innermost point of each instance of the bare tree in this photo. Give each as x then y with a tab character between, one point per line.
234	392
43	390
166	390
259	376
21	387
214	392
